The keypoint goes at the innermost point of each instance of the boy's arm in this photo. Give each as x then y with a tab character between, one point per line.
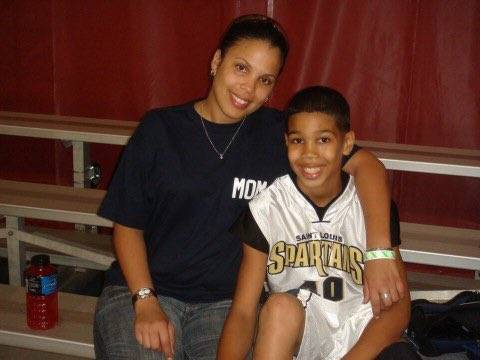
386	329
373	190
238	330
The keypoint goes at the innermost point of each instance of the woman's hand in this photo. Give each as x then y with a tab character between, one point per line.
153	329
382	284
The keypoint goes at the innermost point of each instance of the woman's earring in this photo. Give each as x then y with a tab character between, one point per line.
212	72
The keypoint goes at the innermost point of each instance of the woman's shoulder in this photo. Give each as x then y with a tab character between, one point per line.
159	122
168	113
164	118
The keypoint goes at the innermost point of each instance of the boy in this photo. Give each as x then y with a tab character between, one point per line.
307	230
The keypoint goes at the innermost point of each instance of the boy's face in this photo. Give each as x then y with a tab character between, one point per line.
315	147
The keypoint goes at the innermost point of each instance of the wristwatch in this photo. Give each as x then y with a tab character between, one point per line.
143	293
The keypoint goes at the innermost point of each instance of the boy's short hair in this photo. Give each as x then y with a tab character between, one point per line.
324	100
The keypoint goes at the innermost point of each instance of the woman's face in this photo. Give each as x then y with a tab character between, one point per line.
244	78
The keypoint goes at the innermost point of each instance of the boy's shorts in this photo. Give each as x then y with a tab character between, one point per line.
323	337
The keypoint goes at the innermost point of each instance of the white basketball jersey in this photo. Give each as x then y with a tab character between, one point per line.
326	253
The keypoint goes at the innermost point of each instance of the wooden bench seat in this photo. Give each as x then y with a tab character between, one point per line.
426	159
115	132
18	353
418	281
73	335
440	245
51	202
437	296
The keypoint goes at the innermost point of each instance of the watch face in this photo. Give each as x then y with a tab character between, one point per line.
144	292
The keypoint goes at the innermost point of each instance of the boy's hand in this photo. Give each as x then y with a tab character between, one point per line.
382	284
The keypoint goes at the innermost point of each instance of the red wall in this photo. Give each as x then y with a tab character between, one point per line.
408	68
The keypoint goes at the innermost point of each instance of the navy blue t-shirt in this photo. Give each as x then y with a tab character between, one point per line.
172	185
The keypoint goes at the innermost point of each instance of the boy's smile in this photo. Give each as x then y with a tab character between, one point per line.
315	147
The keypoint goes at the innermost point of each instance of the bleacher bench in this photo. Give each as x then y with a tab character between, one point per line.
417	158
70	128
424	244
20	200
74	334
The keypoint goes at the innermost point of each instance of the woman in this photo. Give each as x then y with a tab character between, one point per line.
184	178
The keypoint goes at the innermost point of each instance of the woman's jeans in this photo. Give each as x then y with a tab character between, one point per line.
197	327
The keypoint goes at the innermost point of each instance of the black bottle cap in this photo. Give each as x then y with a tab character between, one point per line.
40	260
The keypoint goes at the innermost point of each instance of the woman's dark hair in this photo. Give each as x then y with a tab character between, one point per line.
324	100
257	27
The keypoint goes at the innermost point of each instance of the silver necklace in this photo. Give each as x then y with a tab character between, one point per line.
220	154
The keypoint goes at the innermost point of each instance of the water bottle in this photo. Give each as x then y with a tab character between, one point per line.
42	293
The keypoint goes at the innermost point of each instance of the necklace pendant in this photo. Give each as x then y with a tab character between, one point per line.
220	155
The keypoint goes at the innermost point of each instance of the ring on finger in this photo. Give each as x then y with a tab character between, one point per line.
385	296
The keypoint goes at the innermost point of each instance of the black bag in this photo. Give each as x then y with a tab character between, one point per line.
450	327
